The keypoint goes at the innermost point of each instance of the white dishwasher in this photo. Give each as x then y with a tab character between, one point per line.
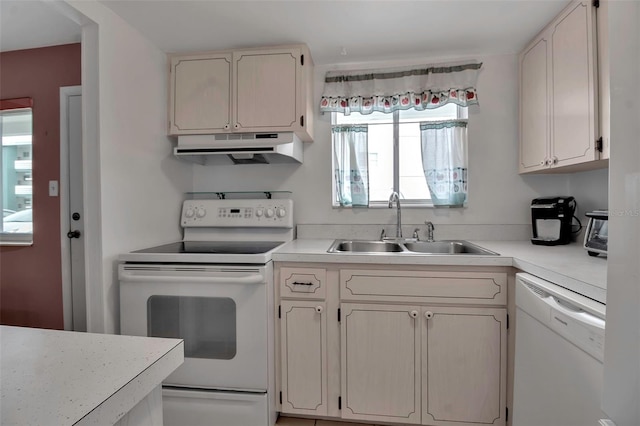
558	358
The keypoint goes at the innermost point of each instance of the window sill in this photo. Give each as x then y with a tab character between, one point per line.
16	239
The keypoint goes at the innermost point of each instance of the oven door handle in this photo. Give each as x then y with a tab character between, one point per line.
212	279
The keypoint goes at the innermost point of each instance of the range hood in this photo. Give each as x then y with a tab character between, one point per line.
240	148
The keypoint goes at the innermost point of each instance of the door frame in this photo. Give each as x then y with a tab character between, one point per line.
65	222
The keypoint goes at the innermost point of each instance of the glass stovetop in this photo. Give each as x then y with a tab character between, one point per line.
214	247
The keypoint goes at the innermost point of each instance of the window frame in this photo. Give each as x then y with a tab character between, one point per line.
462	113
15	106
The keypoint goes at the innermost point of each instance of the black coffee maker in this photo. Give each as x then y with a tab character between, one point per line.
551	219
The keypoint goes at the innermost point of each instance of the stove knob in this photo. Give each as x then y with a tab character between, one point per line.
201	213
269	213
259	212
189	212
281	212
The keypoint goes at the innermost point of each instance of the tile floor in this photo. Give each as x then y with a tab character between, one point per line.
292	421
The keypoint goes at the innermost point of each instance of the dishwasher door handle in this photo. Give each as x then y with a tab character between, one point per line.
574	312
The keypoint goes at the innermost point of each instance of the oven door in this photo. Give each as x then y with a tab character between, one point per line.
219	311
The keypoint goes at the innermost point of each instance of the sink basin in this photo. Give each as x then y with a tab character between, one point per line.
446	247
408	247
355	246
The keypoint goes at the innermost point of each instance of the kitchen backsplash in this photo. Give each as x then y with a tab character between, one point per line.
441	232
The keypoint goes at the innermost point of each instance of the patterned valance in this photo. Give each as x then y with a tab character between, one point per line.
391	89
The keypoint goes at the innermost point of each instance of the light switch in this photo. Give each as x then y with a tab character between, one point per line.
53	188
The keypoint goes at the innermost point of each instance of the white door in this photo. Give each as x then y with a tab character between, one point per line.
200	94
266	89
534	107
380	363
71	209
304	357
464	366
574	90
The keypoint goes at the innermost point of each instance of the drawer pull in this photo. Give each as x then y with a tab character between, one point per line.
297	283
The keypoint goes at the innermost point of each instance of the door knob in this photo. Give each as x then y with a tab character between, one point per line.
73	234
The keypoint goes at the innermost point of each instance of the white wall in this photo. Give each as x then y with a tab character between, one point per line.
622	348
590	189
134	186
497	194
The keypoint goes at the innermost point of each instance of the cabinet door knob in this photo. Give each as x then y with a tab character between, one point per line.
319	309
555	160
413	314
226	126
237	126
428	315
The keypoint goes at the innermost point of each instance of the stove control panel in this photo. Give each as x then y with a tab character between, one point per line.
237	213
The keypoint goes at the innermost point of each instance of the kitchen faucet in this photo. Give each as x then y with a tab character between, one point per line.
396	198
430	229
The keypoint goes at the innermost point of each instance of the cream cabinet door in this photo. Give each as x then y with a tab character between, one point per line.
200	94
574	90
534	107
303	340
380	355
266	90
464	362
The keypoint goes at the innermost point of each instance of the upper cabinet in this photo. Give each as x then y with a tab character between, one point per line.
559	119
249	90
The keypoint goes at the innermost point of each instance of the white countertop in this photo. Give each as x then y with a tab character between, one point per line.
568	266
50	377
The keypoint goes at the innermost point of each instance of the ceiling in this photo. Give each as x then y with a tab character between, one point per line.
335	31
26	24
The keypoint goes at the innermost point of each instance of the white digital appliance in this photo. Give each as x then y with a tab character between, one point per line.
559	355
214	289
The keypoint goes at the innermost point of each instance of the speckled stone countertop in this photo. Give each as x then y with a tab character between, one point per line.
50	377
568	266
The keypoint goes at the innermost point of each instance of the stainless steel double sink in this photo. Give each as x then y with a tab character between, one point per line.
447	247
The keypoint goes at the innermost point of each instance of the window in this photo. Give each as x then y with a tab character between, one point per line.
16	177
395	152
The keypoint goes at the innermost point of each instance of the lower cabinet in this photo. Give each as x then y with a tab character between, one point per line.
303	353
411	362
412	365
464	359
380	351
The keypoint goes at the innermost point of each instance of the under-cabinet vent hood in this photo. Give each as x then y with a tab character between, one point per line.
240	148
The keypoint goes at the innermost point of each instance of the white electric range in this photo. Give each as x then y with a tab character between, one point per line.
214	289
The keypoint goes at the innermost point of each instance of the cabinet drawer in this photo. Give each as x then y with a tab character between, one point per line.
478	288
305	283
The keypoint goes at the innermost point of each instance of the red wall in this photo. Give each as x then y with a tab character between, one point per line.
31	276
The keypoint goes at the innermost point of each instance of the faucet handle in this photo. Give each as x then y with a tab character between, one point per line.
383	235
415	234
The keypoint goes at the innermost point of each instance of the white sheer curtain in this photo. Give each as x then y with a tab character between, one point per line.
351	164
444	159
